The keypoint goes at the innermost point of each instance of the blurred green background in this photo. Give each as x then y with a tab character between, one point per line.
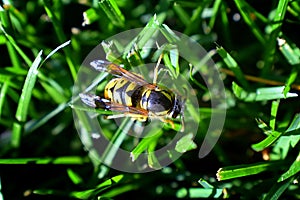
256	47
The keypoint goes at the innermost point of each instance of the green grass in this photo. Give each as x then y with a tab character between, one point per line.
43	44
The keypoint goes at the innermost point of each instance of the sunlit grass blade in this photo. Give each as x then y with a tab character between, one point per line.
261	94
85	194
279	15
290	51
144	144
237	171
208	191
113	12
272	136
23	105
144	37
75	177
67	160
292	54
233	66
119	190
194	193
185	144
153	161
274	109
295	124
293	170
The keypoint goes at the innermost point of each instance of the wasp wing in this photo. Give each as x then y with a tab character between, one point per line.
95	101
105	66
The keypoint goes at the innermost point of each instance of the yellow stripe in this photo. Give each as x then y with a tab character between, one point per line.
108	92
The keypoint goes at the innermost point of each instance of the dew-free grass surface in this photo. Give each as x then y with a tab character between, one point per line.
255	45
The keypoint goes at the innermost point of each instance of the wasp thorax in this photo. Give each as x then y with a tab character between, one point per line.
159	102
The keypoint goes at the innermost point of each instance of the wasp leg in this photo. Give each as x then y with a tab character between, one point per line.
138	117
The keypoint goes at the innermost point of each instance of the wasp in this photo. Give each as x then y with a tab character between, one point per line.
130	95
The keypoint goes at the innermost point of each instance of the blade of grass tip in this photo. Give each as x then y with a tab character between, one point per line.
233	66
90	16
183	16
32	125
292	54
113	12
272	136
295	125
144	37
244	170
169	34
195	19
102	188
23	105
56	49
274	109
109	194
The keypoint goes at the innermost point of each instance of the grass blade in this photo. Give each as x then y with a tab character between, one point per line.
113	12
23	105
247	12
244	170
233	66
274	109
67	160
261	94
294	169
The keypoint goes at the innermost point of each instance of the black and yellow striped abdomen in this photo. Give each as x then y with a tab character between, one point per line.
159	101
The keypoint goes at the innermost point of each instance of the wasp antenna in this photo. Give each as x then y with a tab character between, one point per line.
100	65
